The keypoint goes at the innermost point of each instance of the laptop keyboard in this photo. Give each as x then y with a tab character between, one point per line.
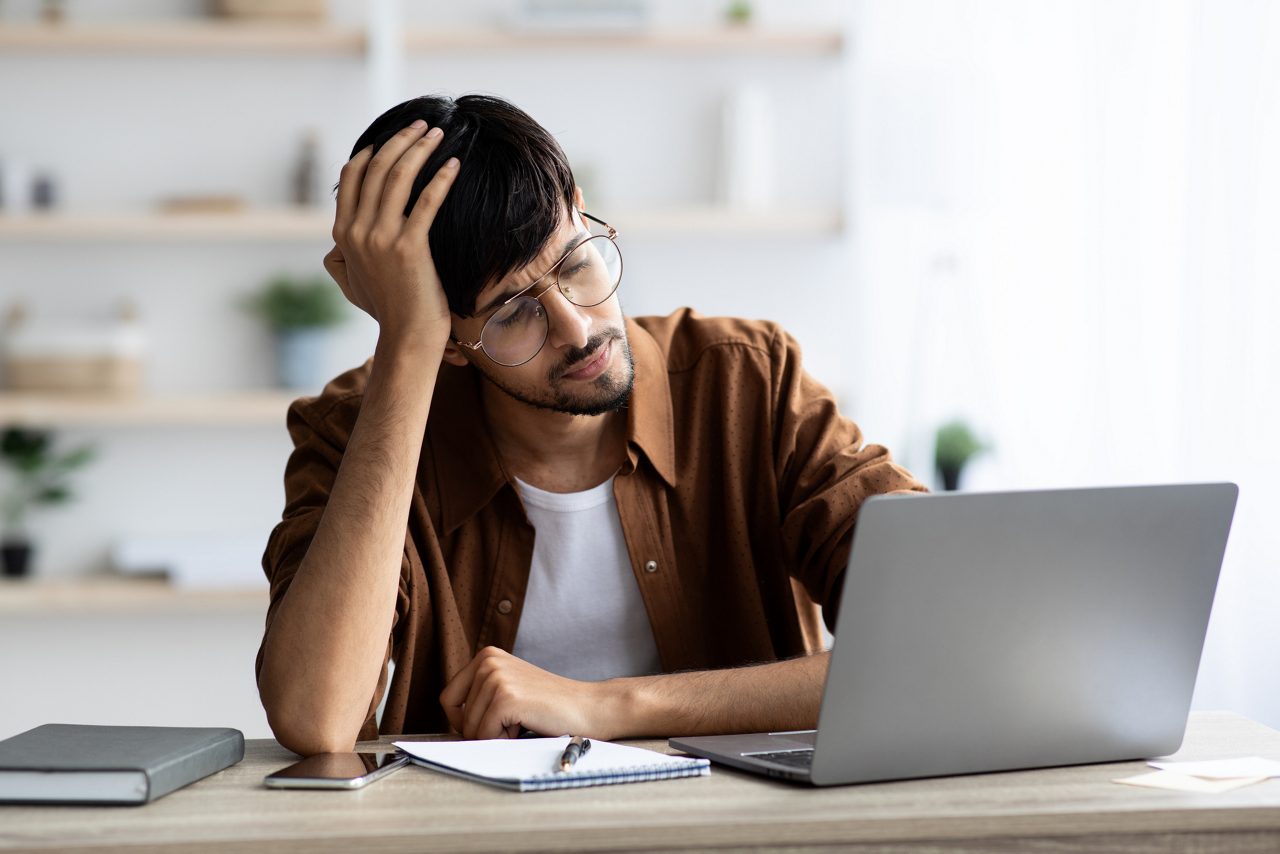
802	758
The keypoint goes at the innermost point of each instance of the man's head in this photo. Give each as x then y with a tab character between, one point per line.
510	214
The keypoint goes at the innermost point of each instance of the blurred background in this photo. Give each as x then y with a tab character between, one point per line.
1026	243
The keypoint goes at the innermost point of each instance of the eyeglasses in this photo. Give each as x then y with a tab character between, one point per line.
586	275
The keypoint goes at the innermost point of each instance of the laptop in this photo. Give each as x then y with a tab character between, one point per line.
994	631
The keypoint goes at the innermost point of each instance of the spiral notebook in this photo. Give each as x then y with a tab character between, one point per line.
529	764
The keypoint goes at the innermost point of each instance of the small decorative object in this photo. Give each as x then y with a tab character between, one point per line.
739	12
276	10
300	312
94	355
53	11
747	168
954	446
619	17
38	476
44	192
202	204
305	189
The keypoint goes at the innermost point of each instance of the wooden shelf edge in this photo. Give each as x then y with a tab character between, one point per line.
716	40
220	36
121	593
31	409
199	36
306	225
263	224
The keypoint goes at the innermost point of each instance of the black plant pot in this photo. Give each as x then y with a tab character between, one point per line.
17	558
950	477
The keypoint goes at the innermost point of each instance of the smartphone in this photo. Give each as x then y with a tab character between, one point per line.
336	771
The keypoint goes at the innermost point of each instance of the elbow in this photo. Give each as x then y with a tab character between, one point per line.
307	737
303	728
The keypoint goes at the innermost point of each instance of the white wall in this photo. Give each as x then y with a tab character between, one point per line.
1069	210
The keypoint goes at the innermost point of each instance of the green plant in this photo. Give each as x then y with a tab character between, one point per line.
739	12
954	445
288	302
40	476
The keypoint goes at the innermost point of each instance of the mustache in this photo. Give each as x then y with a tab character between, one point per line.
578	355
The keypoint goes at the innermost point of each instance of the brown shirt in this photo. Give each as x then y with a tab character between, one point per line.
737	502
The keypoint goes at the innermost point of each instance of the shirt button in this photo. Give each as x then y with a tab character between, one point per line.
651	566
504	607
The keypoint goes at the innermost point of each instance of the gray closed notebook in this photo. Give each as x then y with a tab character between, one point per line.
73	763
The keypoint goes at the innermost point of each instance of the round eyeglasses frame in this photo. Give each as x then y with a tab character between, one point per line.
611	235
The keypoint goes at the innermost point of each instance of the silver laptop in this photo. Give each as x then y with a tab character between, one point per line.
992	631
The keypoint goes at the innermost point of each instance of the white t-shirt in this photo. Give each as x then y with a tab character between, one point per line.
583	617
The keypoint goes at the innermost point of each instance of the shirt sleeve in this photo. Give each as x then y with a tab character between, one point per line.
825	471
308	482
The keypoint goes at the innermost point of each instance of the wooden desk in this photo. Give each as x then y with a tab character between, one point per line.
1069	809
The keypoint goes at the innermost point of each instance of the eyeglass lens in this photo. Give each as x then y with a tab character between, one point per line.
586	277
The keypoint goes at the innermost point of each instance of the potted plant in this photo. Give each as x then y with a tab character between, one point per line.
38	477
954	445
300	313
739	12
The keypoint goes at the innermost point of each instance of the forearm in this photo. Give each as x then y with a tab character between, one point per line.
323	654
783	695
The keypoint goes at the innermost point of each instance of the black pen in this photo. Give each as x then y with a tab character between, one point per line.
573	751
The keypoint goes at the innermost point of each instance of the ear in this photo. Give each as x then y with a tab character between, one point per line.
453	355
578	201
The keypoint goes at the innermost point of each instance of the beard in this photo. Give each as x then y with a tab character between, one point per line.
606	393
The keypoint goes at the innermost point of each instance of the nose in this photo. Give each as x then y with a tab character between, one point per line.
568	324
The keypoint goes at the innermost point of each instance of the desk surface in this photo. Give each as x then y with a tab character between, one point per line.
1075	808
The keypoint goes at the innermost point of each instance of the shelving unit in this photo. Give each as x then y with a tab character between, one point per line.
260	65
252	408
303	224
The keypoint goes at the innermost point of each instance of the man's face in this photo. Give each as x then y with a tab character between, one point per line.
585	365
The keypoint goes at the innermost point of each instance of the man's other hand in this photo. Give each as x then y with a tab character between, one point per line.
496	694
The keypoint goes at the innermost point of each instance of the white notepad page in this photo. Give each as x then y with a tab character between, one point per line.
528	763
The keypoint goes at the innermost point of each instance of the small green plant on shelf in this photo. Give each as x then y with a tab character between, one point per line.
289	302
300	312
954	446
38	476
738	12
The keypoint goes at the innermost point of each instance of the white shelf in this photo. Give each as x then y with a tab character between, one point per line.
307	225
719	40
275	225
256	408
122	594
222	37
199	36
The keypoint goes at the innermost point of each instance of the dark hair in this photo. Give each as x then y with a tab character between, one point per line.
507	200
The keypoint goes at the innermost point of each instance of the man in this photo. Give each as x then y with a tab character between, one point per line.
548	515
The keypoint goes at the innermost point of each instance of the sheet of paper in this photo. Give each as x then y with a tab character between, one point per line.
1219	769
1184	783
523	758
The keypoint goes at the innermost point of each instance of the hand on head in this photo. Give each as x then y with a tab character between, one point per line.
381	258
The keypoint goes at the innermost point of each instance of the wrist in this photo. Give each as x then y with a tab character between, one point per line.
417	342
623	707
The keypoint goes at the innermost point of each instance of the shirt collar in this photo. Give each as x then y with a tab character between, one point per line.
650	424
469	470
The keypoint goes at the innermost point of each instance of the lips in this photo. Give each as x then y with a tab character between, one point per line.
592	367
